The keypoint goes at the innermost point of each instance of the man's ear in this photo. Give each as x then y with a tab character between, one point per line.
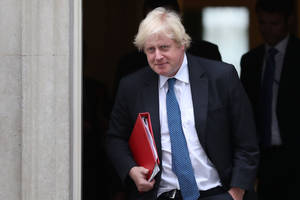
181	46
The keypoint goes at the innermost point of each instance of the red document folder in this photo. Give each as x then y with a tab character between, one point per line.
142	145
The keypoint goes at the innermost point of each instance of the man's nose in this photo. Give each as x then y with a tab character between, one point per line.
158	55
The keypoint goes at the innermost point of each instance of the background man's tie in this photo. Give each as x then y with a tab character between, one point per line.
266	97
181	162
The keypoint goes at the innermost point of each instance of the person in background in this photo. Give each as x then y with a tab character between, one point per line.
270	77
201	118
135	60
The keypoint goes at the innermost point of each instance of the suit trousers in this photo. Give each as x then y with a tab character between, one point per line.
224	195
273	178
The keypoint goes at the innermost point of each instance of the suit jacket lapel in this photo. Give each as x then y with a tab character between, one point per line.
289	58
259	68
260	60
199	88
150	100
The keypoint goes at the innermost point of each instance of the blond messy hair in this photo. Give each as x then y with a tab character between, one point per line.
162	21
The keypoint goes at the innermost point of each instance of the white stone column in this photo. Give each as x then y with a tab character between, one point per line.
10	99
40	99
47	82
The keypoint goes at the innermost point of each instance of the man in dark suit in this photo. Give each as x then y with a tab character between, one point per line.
135	60
214	120
277	128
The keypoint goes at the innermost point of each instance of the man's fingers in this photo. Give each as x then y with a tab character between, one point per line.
139	176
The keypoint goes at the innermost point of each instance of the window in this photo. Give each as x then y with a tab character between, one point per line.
228	28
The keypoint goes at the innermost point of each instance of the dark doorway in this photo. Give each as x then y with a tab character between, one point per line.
108	31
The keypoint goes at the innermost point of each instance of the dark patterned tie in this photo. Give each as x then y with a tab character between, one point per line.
266	97
181	163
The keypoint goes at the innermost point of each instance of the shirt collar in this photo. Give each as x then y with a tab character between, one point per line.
181	75
280	46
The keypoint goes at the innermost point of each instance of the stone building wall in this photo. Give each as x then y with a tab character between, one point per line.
37	68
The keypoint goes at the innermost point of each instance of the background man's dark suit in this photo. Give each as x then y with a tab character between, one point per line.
218	97
287	108
288	93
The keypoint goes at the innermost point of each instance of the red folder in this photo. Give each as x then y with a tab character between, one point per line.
142	145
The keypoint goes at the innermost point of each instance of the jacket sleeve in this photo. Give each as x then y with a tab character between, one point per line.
244	139
117	136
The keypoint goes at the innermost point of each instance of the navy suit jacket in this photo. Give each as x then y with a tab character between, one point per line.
223	120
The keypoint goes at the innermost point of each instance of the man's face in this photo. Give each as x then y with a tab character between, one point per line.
164	55
273	27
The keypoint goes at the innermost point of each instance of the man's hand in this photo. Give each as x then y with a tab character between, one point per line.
138	175
236	193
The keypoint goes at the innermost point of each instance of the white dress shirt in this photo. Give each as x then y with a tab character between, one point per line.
205	173
279	58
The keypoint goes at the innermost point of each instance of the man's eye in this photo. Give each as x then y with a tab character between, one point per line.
150	49
164	47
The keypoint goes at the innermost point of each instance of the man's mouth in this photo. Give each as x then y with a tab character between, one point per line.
160	64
